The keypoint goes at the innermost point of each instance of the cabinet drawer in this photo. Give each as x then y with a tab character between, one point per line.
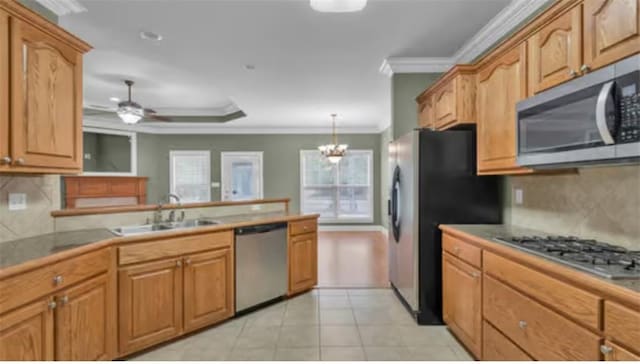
496	347
614	352
465	251
539	331
172	247
25	287
622	324
303	227
578	304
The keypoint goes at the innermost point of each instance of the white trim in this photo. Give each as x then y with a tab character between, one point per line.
206	153
199	128
356	228
500	25
133	139
371	186
260	156
63	7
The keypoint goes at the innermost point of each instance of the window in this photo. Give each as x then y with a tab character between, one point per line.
340	192
190	175
109	152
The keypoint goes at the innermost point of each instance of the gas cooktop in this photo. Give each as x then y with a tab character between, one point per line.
605	260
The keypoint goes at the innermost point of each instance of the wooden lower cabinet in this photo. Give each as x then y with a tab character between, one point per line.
497	347
613	352
85	321
26	334
150	304
303	262
208	288
462	302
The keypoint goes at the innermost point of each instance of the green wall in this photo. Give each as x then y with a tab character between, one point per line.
281	160
35	6
405	87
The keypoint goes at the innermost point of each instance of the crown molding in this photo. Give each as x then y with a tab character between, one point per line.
516	12
63	7
393	65
198	128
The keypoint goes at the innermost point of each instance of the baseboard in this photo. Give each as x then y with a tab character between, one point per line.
352	228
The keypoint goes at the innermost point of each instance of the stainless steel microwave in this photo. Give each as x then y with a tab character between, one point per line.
594	119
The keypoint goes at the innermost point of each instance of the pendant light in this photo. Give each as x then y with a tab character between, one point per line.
334	152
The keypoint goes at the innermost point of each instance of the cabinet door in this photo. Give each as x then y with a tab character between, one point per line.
425	113
501	84
208	288
303	262
611	31
613	352
27	333
150	304
462	302
555	51
46	101
85	321
444	101
4	91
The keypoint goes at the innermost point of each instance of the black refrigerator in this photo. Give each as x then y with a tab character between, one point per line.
433	182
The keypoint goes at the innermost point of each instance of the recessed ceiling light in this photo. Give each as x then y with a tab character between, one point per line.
146	35
338	6
250	67
114	99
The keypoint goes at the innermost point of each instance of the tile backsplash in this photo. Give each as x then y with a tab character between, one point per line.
42	195
601	203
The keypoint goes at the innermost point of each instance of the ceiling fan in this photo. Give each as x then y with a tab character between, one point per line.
130	112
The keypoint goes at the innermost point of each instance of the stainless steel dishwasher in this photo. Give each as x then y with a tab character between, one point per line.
261	264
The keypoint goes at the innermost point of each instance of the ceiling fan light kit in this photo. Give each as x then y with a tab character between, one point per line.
338	6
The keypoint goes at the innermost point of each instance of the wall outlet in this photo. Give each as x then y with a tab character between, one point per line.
215	184
17	201
87	156
518	196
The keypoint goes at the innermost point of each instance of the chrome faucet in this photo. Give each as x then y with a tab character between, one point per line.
172	214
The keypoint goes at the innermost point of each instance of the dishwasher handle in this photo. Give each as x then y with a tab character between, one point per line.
259	229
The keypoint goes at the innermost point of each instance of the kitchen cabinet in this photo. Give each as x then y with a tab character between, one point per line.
555	51
41	72
303	262
611	31
462	301
501	84
622	325
85	321
613	352
208	288
425	113
26	334
150	309
497	347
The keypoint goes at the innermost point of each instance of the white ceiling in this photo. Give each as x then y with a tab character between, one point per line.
307	64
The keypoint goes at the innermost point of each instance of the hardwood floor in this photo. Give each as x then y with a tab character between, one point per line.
352	259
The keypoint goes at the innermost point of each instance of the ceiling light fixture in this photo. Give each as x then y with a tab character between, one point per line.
154	37
114	99
334	152
129	111
338	6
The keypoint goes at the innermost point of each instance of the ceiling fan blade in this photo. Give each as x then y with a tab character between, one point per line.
149	111
155	117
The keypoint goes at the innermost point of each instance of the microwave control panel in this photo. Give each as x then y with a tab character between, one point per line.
629	130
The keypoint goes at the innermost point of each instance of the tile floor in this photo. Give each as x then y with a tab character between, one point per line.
324	324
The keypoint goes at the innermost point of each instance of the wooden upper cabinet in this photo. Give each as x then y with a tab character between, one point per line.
41	75
208	288
555	51
150	304
85	321
425	113
26	334
611	31
303	262
501	84
462	302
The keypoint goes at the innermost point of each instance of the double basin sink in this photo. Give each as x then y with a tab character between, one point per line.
163	226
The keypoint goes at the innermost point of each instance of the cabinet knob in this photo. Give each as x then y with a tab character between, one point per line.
178	263
52	305
5	160
456	249
604	349
57	280
64	300
584	68
522	324
475	275
573	73
187	261
19	161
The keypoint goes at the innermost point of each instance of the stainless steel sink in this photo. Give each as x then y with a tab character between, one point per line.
150	228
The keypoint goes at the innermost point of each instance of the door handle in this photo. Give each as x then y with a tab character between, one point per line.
601	113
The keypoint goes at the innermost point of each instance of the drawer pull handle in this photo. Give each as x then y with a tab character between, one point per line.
475	275
57	280
584	68
573	73
52	305
187	261
606	350
64	300
522	324
20	161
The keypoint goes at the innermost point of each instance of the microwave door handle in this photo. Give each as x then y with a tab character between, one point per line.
601	113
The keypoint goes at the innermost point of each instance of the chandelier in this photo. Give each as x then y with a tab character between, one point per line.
334	152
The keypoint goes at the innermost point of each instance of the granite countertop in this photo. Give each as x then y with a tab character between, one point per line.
16	252
490	232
